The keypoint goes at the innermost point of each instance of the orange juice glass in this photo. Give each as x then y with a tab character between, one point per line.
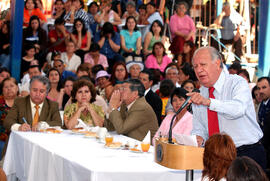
145	147
108	139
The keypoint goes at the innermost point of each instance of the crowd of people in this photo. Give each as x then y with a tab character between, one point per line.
107	71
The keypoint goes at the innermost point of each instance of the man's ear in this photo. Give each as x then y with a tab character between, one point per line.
151	82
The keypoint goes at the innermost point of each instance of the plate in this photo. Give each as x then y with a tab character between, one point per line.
134	150
90	135
114	145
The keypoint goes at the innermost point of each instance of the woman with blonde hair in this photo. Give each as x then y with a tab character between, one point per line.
218	155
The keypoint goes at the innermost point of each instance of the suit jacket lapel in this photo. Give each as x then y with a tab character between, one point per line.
44	112
28	111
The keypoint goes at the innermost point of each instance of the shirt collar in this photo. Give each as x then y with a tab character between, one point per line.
129	106
265	102
146	91
33	104
220	82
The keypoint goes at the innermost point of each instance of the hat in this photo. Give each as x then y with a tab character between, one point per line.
102	73
131	3
131	63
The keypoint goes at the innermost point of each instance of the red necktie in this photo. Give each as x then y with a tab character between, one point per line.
212	116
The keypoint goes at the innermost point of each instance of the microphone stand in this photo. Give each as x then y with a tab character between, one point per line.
177	112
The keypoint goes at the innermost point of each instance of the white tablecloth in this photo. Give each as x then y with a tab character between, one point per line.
54	157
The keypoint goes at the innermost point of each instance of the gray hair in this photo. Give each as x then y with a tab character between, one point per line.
226	4
136	85
182	3
215	55
171	68
43	80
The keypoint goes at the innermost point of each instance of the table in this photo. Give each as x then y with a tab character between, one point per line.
36	156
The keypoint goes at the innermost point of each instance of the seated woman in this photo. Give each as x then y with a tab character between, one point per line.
183	121
35	34
182	28
59	10
218	155
131	40
119	73
30	51
65	93
54	78
104	85
30	9
5	44
106	14
71	60
158	59
9	91
93	8
94	57
245	169
109	42
154	35
83	95
131	10
188	85
81	37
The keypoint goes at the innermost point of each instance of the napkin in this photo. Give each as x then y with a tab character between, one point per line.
81	124
147	138
188	140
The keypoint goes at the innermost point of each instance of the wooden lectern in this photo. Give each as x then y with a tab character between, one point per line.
180	157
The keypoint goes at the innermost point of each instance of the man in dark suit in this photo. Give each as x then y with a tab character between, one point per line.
135	116
264	113
33	108
146	77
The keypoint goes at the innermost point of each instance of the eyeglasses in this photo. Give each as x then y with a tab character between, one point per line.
78	24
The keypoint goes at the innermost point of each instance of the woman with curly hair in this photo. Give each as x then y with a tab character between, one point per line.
83	95
218	155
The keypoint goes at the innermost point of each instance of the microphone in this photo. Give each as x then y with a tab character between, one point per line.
177	112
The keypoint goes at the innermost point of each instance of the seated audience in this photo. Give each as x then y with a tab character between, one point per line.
106	14
158	59
131	39
134	68
5	44
147	78
94	57
109	42
133	106
130	10
185	73
59	10
142	14
77	11
83	70
4	73
83	96
119	73
165	91
104	86
70	59
65	93
182	28
154	35
93	9
59	65
152	15
10	91
188	85
30	51
55	84
42	108
245	169
234	68
94	70
81	37
244	73
219	152
256	99
171	73
182	124
59	36
30	9
188	51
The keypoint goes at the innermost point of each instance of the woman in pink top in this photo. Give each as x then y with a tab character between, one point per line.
94	57
183	121
158	59
182	28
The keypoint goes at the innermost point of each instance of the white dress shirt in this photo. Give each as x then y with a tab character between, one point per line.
72	63
236	113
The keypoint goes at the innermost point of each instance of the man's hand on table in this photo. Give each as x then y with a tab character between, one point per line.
25	127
